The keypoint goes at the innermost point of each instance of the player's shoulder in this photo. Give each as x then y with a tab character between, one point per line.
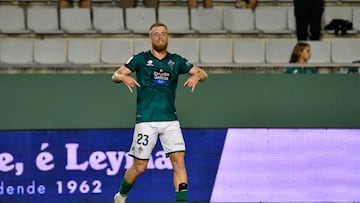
175	56
140	54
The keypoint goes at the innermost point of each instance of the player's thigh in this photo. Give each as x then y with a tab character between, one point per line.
144	140
172	139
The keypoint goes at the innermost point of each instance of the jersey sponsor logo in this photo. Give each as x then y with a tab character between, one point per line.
160	76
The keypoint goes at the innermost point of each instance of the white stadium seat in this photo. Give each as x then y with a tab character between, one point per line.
139	19
16	51
43	20
207	20
50	51
109	20
176	18
239	20
187	48
345	50
279	50
83	51
216	51
12	20
115	51
76	21
272	20
249	51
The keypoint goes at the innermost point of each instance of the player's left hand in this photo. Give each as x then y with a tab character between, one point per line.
192	82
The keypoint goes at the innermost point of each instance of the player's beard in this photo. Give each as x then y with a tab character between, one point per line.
159	47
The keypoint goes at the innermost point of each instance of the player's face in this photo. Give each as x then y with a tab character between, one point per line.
159	38
306	54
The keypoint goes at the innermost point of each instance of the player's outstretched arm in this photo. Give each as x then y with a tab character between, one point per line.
197	75
123	75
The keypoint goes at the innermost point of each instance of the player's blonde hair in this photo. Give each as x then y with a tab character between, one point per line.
157	24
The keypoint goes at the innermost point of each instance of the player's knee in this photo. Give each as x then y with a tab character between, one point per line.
177	157
140	166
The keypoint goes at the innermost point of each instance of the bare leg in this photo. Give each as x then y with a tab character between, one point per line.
85	4
151	3
180	174
192	4
208	3
64	4
138	167
128	3
251	4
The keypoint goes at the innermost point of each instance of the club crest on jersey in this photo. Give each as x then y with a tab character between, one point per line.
171	63
150	63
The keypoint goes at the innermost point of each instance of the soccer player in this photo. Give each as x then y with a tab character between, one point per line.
157	73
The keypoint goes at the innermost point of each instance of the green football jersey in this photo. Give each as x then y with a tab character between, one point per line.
158	80
301	70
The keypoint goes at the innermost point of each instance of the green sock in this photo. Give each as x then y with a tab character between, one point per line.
181	197
125	187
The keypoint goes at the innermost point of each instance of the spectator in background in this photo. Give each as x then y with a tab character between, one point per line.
308	15
194	4
301	54
123	3
354	70
133	3
68	3
249	4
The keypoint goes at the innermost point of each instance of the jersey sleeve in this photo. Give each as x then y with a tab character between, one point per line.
133	61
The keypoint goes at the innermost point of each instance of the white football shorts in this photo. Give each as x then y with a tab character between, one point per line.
146	135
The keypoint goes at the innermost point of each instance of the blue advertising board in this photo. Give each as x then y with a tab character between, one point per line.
84	166
224	165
